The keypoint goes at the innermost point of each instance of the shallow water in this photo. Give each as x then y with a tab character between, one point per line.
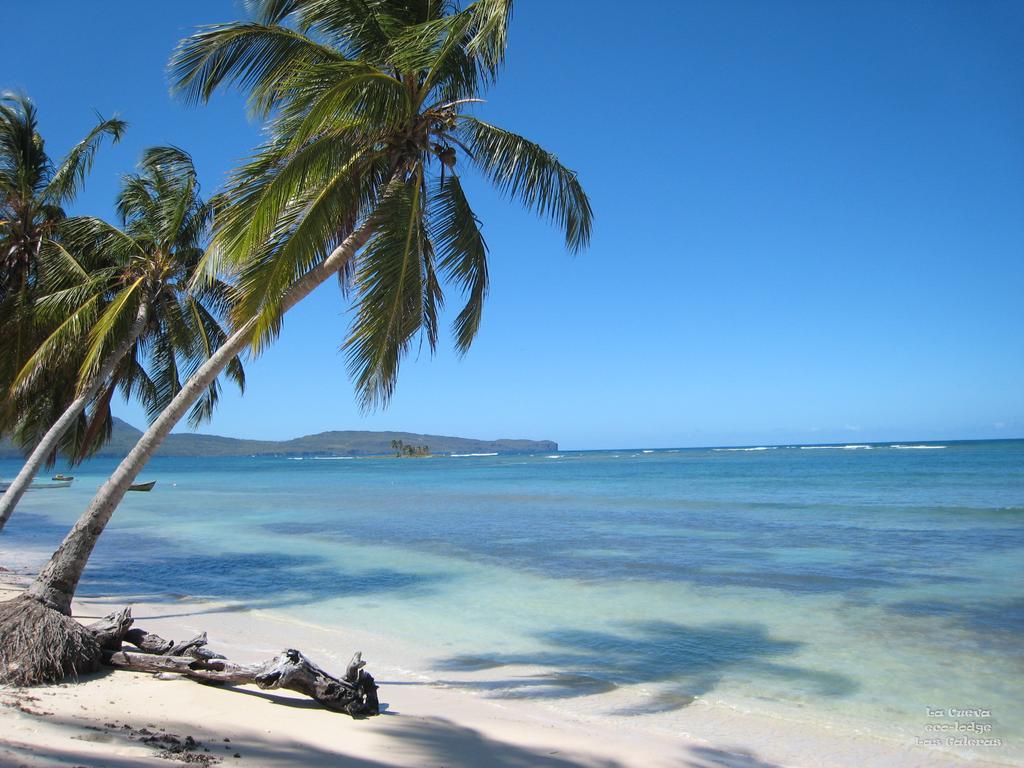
858	587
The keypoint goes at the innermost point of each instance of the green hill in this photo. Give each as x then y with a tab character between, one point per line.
338	443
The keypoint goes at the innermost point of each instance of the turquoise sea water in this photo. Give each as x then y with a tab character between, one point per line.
856	585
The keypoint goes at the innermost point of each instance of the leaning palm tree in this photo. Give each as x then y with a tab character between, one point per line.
137	300
34	191
368	133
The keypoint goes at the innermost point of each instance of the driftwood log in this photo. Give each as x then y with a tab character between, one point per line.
354	694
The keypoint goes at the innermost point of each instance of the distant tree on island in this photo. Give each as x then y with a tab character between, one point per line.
401	449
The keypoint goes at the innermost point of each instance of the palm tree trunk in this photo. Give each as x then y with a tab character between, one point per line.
10	498
55	586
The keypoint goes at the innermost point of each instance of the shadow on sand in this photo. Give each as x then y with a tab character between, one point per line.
406	742
693	660
419	741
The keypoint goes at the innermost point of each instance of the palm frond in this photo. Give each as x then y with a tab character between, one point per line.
24	164
235	372
134	382
389	292
332	99
168	162
78	305
98	426
525	171
257	58
60	343
462	255
271	11
429	47
92	235
311	226
60	268
203	408
490	33
271	183
113	324
361	29
163	370
71	173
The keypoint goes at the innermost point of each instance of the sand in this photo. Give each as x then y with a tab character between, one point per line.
118	719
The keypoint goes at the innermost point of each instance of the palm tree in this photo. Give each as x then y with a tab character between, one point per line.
366	105
136	299
34	190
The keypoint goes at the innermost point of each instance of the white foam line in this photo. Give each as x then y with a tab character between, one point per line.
835	447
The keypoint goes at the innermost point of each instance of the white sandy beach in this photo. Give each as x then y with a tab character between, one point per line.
104	719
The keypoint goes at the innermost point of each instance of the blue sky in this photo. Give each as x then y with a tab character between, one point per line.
809	221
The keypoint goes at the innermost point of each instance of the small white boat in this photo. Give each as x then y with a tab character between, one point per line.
39	486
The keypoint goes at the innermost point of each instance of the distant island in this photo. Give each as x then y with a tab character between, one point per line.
337	443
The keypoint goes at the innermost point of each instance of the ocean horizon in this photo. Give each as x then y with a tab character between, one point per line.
860	586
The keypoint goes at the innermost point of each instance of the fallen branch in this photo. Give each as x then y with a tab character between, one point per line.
147	642
111	629
355	693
